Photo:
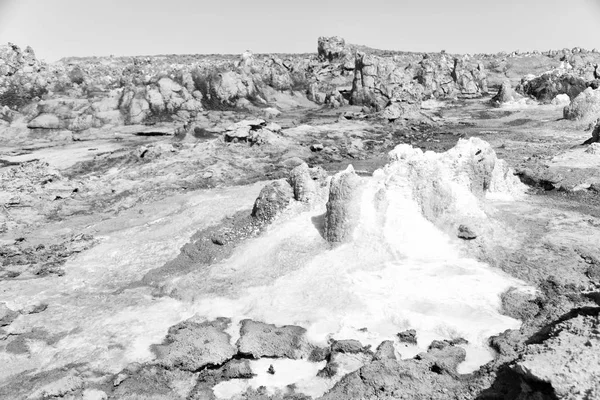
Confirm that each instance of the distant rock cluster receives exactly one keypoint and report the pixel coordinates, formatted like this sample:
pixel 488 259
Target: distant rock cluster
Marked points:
pixel 80 95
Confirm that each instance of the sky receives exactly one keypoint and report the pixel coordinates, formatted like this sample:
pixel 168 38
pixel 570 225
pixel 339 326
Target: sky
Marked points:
pixel 60 28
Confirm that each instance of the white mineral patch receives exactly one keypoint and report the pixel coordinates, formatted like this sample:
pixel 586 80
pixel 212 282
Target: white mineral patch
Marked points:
pixel 287 372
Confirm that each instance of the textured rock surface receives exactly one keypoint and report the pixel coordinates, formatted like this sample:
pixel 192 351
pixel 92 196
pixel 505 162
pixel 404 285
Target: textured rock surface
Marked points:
pixel 273 198
pixel 193 345
pixel 153 383
pixel 548 85
pixel 332 48
pixel 343 206
pixel 302 183
pixel 258 339
pixel 569 359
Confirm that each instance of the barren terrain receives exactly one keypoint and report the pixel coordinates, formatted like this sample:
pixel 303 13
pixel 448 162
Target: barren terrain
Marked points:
pixel 348 224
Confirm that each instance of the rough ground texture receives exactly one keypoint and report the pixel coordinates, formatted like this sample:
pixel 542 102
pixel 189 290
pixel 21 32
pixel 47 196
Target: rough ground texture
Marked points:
pixel 567 358
pixel 190 346
pixel 258 339
pixel 120 178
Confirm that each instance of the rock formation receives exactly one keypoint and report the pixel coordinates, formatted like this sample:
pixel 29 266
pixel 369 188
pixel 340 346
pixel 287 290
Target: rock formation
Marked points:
pixel 505 94
pixel 258 340
pixel 273 198
pixel 442 77
pixel 343 206
pixel 384 86
pixel 568 359
pixel 547 86
pixel 332 49
pixel 192 345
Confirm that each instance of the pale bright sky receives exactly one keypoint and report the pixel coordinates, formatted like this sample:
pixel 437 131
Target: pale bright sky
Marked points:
pixel 59 28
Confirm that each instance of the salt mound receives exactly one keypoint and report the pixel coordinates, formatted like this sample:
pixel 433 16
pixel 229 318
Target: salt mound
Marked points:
pixel 450 188
pixel 393 269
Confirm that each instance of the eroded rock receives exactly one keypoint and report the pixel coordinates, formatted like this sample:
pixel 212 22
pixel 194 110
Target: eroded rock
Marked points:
pixel 192 345
pixel 343 206
pixel 569 359
pixel 258 339
pixel 273 198
pixel 505 94
pixel 302 183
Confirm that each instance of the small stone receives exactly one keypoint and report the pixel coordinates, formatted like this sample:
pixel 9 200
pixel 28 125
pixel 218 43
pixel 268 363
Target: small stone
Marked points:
pixel 219 241
pixel 302 183
pixel 316 147
pixel 271 370
pixel 238 369
pixel 464 232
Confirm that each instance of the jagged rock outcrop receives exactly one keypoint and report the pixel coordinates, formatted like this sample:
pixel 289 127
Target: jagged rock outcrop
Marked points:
pixel 383 85
pixel 547 86
pixel 442 77
pixel 585 108
pixel 470 78
pixel 568 358
pixel 343 206
pixel 332 48
pixel 435 77
pixel 14 60
pixel 302 183
pixel 162 100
